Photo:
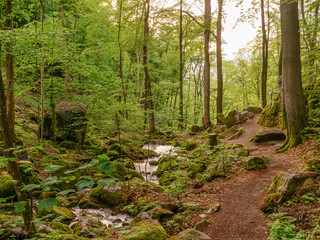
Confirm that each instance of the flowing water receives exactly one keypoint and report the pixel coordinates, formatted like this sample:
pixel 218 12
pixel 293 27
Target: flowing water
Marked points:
pixel 150 165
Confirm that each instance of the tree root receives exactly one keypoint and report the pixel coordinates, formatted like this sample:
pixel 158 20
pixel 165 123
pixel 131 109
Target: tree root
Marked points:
pixel 290 142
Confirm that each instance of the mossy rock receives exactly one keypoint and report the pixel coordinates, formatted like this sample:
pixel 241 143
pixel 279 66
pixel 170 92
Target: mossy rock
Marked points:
pixel 237 134
pixel 6 186
pixel 196 167
pixel 143 205
pixel 212 173
pixel 63 212
pixel 242 152
pixel 89 228
pixel 284 186
pixel 253 109
pixel 314 164
pixel 113 155
pixel 220 118
pixel 271 114
pixel 85 202
pixel 195 128
pixel 60 227
pixel 147 229
pixel 255 163
pixel 65 237
pixel 268 135
pixel 166 163
pixel 190 234
pixel 111 195
pixel 160 213
pixel 177 177
pixel 233 118
pixel 120 150
pixel 128 173
pixel 309 186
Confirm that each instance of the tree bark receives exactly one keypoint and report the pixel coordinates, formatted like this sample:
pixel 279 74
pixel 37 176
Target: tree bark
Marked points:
pixel 291 75
pixel 148 93
pixel 264 72
pixel 206 82
pixel 181 125
pixel 219 58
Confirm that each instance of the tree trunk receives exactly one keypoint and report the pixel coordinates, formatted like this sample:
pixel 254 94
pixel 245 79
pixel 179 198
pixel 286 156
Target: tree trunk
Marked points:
pixel 181 126
pixel 264 58
pixel 219 58
pixel 148 93
pixel 291 75
pixel 206 81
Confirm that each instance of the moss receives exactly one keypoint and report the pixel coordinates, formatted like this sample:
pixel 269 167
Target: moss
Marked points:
pixel 62 228
pixel 190 234
pixel 255 163
pixel 196 167
pixel 160 213
pixel 314 164
pixel 308 186
pixel 110 195
pixel 6 186
pixel 85 202
pixel 237 134
pixel 64 212
pixel 213 173
pixel 254 109
pixel 195 128
pixel 147 229
pixel 220 118
pixel 166 163
pixel 271 115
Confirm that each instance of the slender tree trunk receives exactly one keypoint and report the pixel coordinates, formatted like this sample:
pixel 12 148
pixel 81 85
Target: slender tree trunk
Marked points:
pixel 65 56
pixel 42 65
pixel 219 58
pixel 264 71
pixel 291 74
pixel 148 93
pixel 206 82
pixel 7 123
pixel 181 125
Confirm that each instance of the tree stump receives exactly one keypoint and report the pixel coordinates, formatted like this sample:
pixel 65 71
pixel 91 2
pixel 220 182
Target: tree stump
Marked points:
pixel 213 139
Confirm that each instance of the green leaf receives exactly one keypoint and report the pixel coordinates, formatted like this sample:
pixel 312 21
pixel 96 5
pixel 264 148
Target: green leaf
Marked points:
pixel 52 168
pixel 107 181
pixel 86 178
pixel 106 167
pixel 48 204
pixel 49 181
pixel 103 157
pixel 3 200
pixel 20 207
pixel 30 187
pixel 66 192
pixel 84 184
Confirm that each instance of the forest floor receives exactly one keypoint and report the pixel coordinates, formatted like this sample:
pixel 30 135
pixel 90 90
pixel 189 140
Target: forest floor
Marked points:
pixel 241 198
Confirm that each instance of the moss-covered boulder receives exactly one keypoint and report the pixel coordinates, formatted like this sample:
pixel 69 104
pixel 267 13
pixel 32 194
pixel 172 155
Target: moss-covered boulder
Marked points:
pixel 237 134
pixel 285 185
pixel 314 164
pixel 86 202
pixel 233 118
pixel 212 173
pixel 111 195
pixel 220 118
pixel 6 186
pixel 60 227
pixel 271 114
pixel 160 213
pixel 195 128
pixel 178 177
pixel 253 109
pixel 309 186
pixel 200 226
pixel 166 163
pixel 69 124
pixel 255 163
pixel 190 234
pixel 247 115
pixel 195 167
pixel 63 212
pixel 89 227
pixel 267 135
pixel 147 229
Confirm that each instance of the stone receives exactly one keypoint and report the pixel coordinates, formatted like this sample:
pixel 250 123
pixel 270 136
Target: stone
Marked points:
pixel 200 226
pixel 85 202
pixel 309 186
pixel 271 114
pixel 111 195
pixel 237 134
pixel 247 115
pixel 147 229
pixel 233 118
pixel 212 173
pixel 195 128
pixel 70 124
pixel 64 212
pixel 160 213
pixel 6 186
pixel 213 139
pixel 196 167
pixel 284 186
pixel 190 234
pixel 268 135
pixel 166 163
pixel 214 208
pixel 255 163
pixel 220 119
pixel 253 109
pixel 154 163
pixel 85 227
pixel 62 228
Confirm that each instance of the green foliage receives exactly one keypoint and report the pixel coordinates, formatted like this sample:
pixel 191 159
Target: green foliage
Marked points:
pixel 20 207
pixel 48 204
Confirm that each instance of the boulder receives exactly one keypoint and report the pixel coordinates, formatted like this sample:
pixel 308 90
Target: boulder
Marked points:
pixel 237 134
pixel 247 115
pixel 200 226
pixel 255 163
pixel 166 163
pixel 86 227
pixel 220 119
pixel 63 212
pixel 233 118
pixel 6 186
pixel 253 109
pixel 214 208
pixel 271 114
pixel 190 234
pixel 160 213
pixel 70 122
pixel 111 195
pixel 195 128
pixel 285 185
pixel 268 135
pixel 147 229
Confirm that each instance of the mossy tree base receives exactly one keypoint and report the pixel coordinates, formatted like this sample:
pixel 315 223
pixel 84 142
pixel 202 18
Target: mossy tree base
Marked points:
pixel 291 141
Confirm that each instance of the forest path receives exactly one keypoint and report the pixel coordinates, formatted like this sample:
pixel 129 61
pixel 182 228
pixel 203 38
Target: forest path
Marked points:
pixel 240 216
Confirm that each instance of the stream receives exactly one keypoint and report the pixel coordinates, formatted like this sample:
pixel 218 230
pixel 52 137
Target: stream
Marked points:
pixel 148 166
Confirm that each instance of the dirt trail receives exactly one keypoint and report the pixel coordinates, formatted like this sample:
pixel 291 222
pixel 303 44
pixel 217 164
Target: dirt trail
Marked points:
pixel 240 216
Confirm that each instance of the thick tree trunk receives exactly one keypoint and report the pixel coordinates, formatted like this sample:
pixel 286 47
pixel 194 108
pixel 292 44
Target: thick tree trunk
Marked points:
pixel 181 125
pixel 148 93
pixel 291 75
pixel 206 82
pixel 219 58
